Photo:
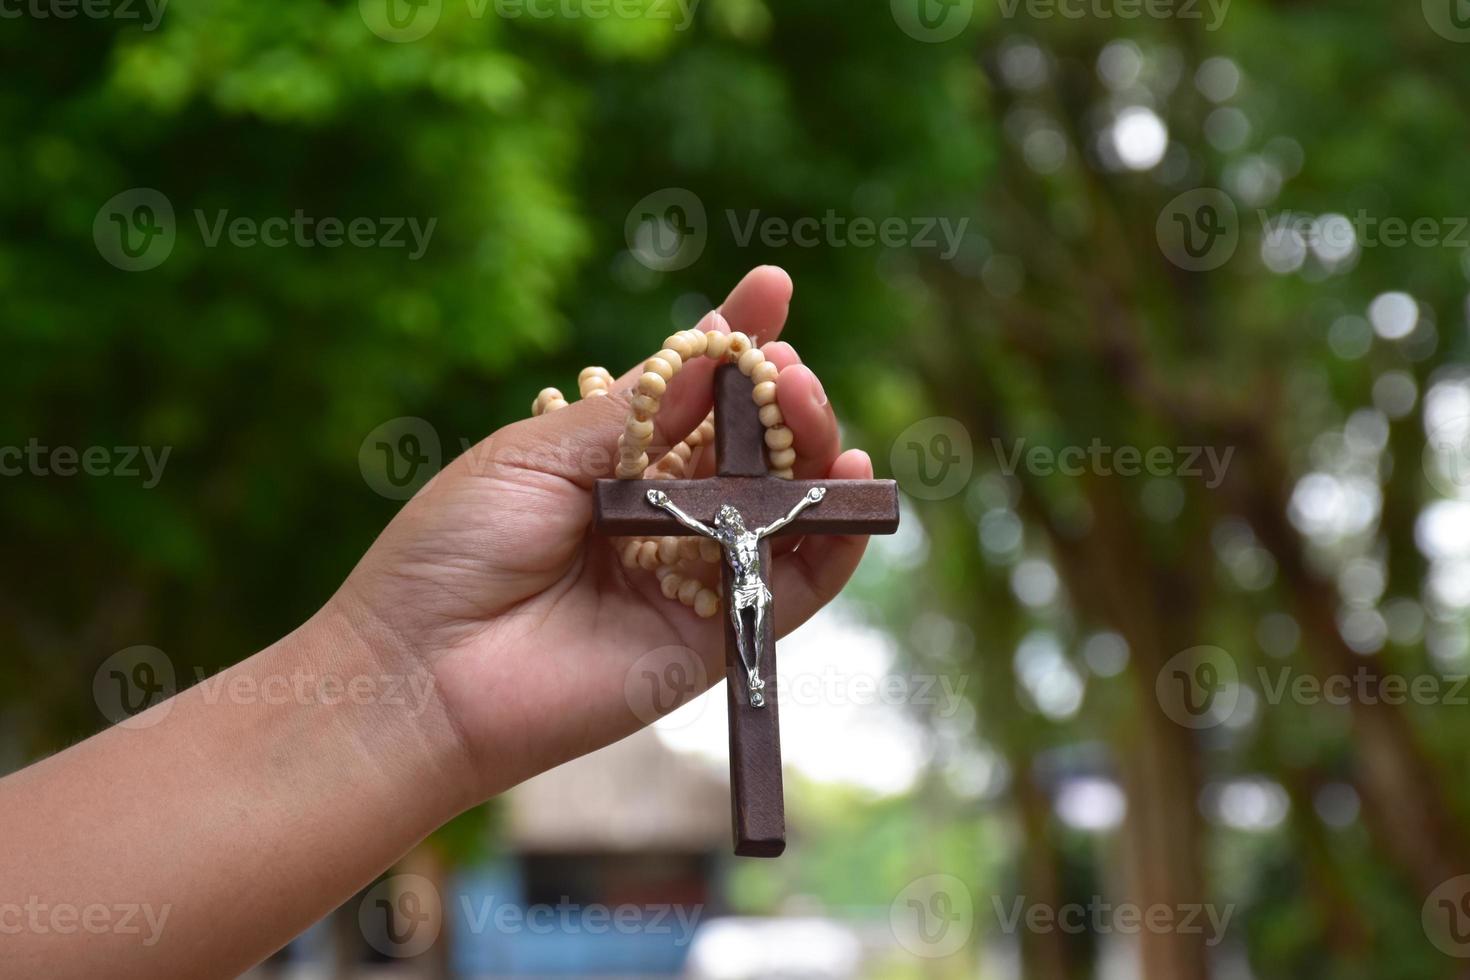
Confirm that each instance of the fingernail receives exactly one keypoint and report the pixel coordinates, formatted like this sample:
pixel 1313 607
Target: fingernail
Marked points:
pixel 821 392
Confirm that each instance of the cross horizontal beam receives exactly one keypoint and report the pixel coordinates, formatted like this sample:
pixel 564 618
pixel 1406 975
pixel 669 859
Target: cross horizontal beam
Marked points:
pixel 621 507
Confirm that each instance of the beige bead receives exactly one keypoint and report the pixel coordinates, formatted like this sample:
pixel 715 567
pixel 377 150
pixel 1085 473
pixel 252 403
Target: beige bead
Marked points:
pixel 706 431
pixel 771 415
pixel 688 591
pixel 679 344
pixel 591 372
pixel 697 342
pixel 547 394
pixel 709 550
pixel 783 474
pixel 593 386
pixel 782 459
pixel 632 470
pixel 764 371
pixel 739 344
pixel 668 550
pixel 639 429
pixel 779 437
pixel 672 356
pixel 631 548
pixel 660 367
pixel 694 440
pixel 671 584
pixel 715 344
pixel 648 555
pixel 689 548
pixel 554 405
pixel 652 385
pixel 706 603
pixel 672 465
pixel 644 407
pixel 750 360
pixel 764 393
pixel 683 451
pixel 595 393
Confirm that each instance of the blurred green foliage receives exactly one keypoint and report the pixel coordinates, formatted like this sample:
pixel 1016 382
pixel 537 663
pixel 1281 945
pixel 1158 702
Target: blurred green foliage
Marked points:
pixel 1060 320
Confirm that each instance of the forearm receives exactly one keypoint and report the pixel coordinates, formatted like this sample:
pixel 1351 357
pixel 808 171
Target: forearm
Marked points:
pixel 252 804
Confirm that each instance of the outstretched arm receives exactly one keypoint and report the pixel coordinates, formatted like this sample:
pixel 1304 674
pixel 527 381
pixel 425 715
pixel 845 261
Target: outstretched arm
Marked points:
pixel 660 499
pixel 813 496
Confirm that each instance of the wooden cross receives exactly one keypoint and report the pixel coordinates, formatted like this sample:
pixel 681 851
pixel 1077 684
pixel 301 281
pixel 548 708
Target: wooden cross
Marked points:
pixel 757 809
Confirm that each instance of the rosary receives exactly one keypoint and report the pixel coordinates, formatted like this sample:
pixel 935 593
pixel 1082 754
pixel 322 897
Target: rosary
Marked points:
pixel 753 497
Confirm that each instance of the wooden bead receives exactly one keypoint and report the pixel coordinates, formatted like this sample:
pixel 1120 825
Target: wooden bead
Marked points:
pixel 672 465
pixel 593 386
pixel 689 548
pixel 783 474
pixel 553 405
pixel 782 459
pixel 689 590
pixel 779 437
pixel 632 470
pixel 698 342
pixel 648 555
pixel 679 344
pixel 750 360
pixel 672 356
pixel 764 371
pixel 706 431
pixel 683 451
pixel 660 367
pixel 631 548
pixel 709 550
pixel 764 393
pixel 547 394
pixel 671 585
pixel 771 415
pixel 716 343
pixel 652 385
pixel 639 429
pixel 739 344
pixel 694 440
pixel 706 603
pixel 591 372
pixel 668 550
pixel 644 407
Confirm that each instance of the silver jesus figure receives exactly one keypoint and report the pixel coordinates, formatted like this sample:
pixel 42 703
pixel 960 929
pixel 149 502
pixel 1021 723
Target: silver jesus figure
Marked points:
pixel 742 553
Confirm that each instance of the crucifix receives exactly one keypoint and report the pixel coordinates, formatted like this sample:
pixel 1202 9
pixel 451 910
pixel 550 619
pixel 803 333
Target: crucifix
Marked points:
pixel 742 508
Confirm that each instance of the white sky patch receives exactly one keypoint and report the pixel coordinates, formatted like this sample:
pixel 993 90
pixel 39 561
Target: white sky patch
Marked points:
pixel 841 721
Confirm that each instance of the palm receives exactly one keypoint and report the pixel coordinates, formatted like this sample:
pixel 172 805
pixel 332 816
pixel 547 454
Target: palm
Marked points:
pixel 528 621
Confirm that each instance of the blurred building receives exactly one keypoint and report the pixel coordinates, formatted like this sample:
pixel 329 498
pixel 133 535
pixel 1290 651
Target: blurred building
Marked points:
pixel 612 865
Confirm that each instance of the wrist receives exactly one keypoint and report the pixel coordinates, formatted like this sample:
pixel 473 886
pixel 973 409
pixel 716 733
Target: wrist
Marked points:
pixel 390 708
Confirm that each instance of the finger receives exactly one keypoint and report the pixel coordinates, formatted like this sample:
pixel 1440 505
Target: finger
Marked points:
pixel 809 416
pixel 810 577
pixel 758 306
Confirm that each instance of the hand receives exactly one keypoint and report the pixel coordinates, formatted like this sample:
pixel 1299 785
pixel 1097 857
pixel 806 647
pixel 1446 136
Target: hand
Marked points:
pixel 493 578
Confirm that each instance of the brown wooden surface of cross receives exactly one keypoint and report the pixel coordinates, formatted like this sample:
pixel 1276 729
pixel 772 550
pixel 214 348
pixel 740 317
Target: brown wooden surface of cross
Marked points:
pixel 758 812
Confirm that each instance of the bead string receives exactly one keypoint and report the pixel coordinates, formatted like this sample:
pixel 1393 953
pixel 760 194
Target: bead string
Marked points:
pixel 672 558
